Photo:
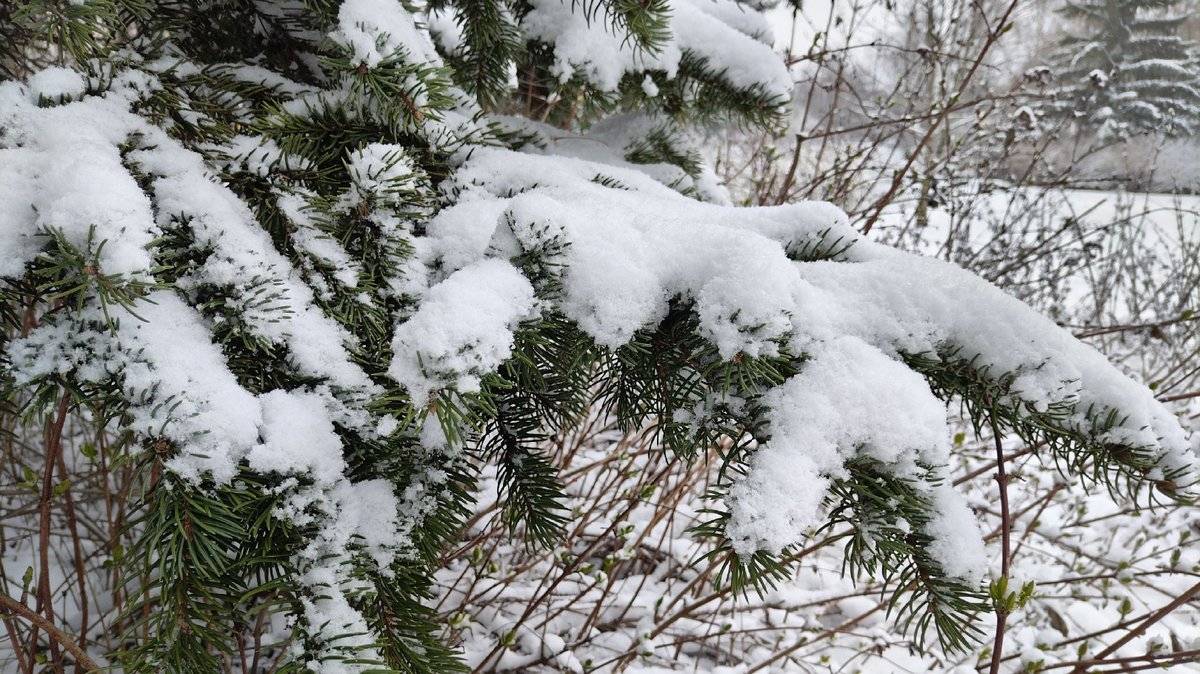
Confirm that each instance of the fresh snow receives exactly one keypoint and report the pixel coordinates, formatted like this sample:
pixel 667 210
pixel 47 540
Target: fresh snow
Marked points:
pixel 731 41
pixel 856 401
pixel 375 30
pixel 186 389
pixel 462 331
pixel 635 246
pixel 297 437
pixel 592 49
pixel 61 171
pixel 56 83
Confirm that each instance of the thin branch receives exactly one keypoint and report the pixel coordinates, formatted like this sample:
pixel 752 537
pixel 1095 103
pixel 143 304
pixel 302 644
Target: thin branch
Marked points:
pixel 1005 548
pixel 1180 396
pixel 14 607
pixel 1149 661
pixel 53 448
pixel 1140 629
pixel 898 178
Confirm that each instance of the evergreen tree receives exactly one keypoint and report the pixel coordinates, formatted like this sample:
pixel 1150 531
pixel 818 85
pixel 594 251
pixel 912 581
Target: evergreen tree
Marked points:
pixel 306 265
pixel 1126 71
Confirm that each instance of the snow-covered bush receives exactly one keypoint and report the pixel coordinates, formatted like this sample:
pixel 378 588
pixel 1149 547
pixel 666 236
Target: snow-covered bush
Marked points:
pixel 280 277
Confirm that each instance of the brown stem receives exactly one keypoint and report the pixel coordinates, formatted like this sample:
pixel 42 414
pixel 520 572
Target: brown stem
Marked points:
pixel 1033 521
pixel 1110 329
pixel 53 448
pixel 791 172
pixel 1180 396
pixel 1005 549
pixel 77 549
pixel 1150 660
pixel 18 652
pixel 578 559
pixel 1137 631
pixel 14 607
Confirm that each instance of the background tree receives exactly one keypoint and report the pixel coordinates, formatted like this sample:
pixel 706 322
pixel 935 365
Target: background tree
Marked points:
pixel 1125 70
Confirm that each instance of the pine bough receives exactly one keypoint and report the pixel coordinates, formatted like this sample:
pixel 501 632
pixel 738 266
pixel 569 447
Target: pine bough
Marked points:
pixel 310 263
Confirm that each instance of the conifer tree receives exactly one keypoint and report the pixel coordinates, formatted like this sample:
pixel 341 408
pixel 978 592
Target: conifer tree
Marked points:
pixel 303 266
pixel 1124 69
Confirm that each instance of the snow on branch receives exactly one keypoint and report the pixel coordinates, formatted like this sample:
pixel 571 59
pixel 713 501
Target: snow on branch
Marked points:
pixel 856 323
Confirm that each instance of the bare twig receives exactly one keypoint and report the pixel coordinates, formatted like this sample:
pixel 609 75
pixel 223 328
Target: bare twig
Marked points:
pixel 899 175
pixel 1005 549
pixel 14 607
pixel 53 448
pixel 1143 626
